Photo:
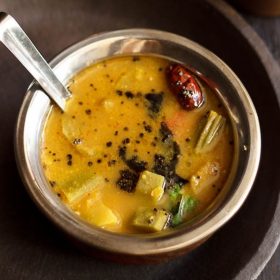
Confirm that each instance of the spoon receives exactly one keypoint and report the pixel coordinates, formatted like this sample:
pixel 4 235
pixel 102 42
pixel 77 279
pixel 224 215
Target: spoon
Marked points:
pixel 15 39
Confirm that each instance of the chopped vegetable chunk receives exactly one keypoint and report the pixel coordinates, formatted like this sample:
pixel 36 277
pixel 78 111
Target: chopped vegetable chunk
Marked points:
pixel 151 184
pixel 211 133
pixel 100 215
pixel 205 177
pixel 80 185
pixel 151 219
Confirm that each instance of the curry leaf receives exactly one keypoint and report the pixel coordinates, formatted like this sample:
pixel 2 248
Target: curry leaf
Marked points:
pixel 187 205
pixel 175 193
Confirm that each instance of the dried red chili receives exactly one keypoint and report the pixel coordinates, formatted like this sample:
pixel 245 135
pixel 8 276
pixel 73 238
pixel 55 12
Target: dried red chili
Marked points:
pixel 184 86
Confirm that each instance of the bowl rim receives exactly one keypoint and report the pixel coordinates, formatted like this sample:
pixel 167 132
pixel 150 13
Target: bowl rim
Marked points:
pixel 165 243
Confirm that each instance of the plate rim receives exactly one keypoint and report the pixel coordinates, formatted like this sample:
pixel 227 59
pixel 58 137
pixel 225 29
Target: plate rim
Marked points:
pixel 272 237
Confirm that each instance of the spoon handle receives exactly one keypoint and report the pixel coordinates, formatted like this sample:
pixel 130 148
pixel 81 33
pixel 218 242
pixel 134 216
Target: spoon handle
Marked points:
pixel 15 39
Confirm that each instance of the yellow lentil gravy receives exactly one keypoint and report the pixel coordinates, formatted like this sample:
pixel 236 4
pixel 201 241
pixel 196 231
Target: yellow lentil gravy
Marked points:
pixel 127 156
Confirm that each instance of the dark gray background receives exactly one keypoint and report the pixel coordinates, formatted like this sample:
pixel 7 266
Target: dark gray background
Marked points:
pixel 269 30
pixel 31 247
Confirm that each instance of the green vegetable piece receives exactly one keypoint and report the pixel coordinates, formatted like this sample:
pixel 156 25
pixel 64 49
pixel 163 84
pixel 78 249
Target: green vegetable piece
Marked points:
pixel 187 205
pixel 177 219
pixel 175 193
pixel 78 186
pixel 211 133
pixel 151 184
pixel 190 204
pixel 151 220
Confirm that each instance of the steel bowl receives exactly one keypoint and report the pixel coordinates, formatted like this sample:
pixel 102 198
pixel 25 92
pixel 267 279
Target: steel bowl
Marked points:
pixel 146 247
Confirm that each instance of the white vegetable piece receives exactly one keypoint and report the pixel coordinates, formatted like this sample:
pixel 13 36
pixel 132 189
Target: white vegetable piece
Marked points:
pixel 206 176
pixel 101 215
pixel 151 184
pixel 79 186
